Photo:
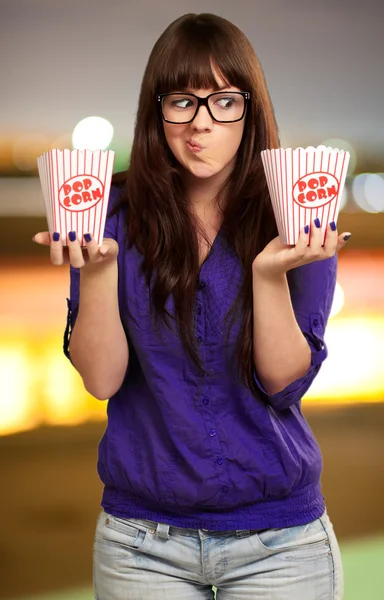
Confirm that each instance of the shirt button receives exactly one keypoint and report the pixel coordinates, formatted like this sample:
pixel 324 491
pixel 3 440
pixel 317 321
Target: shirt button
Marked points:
pixel 205 400
pixel 198 310
pixel 315 323
pixel 225 489
pixel 220 460
pixel 212 433
pixel 199 339
pixel 201 285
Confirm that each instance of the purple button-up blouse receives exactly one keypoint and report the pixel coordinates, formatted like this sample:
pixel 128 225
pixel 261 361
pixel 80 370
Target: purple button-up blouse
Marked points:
pixel 202 451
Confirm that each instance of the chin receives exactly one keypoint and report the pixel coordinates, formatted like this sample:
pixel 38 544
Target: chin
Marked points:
pixel 203 171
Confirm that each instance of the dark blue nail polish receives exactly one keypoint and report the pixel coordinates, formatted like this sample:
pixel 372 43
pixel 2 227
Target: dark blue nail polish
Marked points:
pixel 72 236
pixel 317 223
pixel 346 237
pixel 306 229
pixel 333 226
pixel 56 236
pixel 87 237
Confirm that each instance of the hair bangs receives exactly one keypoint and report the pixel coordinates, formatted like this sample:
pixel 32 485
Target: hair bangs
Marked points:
pixel 198 59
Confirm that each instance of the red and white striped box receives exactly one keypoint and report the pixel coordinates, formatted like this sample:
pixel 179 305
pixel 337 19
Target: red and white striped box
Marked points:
pixel 305 184
pixel 76 185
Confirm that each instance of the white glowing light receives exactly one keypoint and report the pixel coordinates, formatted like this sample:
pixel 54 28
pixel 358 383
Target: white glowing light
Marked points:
pixel 92 133
pixel 374 192
pixel 359 192
pixel 338 301
pixel 343 145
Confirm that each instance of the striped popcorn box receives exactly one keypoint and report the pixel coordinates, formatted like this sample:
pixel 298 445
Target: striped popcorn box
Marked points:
pixel 304 184
pixel 76 187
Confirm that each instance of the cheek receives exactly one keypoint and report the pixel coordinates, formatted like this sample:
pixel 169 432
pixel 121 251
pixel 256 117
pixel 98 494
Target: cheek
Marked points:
pixel 173 134
pixel 230 142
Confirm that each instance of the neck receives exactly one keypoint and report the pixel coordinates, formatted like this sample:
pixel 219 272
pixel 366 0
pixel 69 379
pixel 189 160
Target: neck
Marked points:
pixel 203 194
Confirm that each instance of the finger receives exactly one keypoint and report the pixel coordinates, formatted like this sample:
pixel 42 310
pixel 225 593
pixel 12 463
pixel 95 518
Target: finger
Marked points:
pixel 43 237
pixel 331 237
pixel 75 253
pixel 109 247
pixel 302 242
pixel 316 238
pixel 343 240
pixel 56 249
pixel 92 247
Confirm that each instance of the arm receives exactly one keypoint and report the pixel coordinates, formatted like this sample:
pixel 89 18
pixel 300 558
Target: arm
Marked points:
pixel 98 344
pixel 293 291
pixel 281 353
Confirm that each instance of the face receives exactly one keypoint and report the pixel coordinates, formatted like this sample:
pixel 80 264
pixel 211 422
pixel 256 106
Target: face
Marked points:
pixel 219 141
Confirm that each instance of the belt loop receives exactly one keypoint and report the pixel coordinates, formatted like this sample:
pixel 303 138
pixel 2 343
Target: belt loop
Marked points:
pixel 162 531
pixel 242 533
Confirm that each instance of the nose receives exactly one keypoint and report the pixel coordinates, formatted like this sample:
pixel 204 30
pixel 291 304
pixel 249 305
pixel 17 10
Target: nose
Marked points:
pixel 203 119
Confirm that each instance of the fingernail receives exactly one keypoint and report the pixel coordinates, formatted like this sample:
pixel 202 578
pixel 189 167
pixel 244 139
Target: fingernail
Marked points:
pixel 317 223
pixel 72 236
pixel 56 236
pixel 333 226
pixel 87 237
pixel 346 237
pixel 306 229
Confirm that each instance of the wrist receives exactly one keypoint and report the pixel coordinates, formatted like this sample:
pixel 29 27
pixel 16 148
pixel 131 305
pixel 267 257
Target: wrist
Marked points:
pixel 91 270
pixel 266 273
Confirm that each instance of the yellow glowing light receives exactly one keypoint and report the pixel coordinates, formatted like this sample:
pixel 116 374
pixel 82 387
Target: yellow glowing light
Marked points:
pixel 26 149
pixel 92 133
pixel 62 142
pixel 353 370
pixel 16 406
pixel 65 406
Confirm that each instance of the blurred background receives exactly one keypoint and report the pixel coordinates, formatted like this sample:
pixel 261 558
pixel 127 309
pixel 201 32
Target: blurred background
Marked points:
pixel 66 62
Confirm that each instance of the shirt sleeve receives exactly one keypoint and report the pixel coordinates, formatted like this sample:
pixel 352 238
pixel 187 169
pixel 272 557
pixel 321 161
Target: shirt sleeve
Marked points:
pixel 110 231
pixel 311 288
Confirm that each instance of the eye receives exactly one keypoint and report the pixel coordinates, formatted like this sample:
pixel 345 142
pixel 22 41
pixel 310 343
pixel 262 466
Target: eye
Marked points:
pixel 226 102
pixel 182 103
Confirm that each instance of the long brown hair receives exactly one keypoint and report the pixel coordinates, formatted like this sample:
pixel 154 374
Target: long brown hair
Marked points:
pixel 159 220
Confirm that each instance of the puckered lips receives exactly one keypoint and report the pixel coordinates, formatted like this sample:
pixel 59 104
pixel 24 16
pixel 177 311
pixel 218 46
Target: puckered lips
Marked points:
pixel 194 146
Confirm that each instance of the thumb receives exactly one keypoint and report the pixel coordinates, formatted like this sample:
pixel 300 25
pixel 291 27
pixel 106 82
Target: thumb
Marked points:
pixel 104 250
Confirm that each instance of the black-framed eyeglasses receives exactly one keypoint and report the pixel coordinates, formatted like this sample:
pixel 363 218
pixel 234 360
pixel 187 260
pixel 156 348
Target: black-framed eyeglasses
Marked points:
pixel 223 107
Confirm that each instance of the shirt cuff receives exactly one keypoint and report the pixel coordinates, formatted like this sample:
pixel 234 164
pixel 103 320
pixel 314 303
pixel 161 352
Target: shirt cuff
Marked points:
pixel 293 392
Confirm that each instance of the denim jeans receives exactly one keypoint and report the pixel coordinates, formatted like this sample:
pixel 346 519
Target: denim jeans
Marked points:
pixel 143 560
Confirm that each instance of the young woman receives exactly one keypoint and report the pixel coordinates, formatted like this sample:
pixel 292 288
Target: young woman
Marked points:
pixel 204 331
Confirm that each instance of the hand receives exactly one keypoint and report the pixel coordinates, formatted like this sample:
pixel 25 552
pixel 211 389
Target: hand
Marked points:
pixel 76 255
pixel 278 258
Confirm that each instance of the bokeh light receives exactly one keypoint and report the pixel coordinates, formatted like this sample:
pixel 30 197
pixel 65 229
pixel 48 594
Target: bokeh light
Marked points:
pixel 26 149
pixel 374 192
pixel 359 192
pixel 62 142
pixel 338 301
pixel 92 133
pixel 343 145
